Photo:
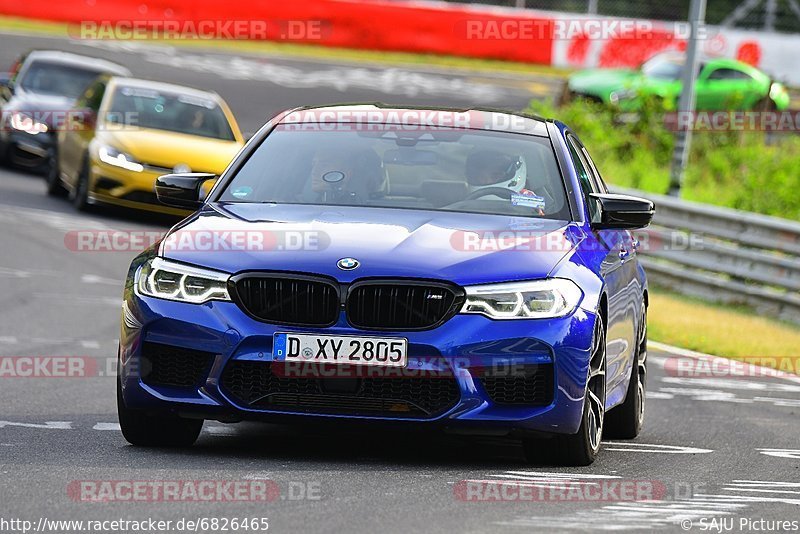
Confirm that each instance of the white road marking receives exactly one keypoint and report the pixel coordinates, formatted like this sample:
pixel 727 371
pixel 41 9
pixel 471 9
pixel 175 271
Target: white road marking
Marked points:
pixel 106 426
pixel 8 339
pixel 659 395
pixel 732 383
pixel 637 515
pixel 261 475
pixel 389 80
pixel 718 360
pixel 755 499
pixel 781 453
pixel 630 446
pixel 713 395
pixel 48 425
pixel 790 403
pixel 94 279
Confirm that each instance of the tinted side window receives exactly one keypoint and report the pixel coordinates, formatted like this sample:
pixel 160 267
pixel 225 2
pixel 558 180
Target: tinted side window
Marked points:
pixel 600 185
pixel 728 74
pixel 584 177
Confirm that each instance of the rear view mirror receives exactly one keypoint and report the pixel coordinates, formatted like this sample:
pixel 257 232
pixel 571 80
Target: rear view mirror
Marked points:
pixel 182 190
pixel 623 211
pixel 410 156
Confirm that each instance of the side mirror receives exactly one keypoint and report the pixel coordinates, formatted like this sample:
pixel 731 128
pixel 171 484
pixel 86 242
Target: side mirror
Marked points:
pixel 621 212
pixel 182 190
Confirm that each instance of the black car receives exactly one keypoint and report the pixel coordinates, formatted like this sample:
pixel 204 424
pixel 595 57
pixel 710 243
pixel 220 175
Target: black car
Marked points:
pixel 36 96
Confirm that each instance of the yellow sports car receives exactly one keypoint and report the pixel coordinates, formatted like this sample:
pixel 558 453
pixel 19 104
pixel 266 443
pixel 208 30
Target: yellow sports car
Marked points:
pixel 123 133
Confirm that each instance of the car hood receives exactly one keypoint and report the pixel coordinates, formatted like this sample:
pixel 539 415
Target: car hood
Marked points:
pixel 49 109
pixel 603 81
pixel 168 149
pixel 464 248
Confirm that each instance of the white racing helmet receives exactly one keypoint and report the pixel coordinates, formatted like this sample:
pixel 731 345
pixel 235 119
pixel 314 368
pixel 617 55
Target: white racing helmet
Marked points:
pixel 491 168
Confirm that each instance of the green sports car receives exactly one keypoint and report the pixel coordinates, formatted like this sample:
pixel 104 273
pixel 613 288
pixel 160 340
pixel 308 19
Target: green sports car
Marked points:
pixel 722 84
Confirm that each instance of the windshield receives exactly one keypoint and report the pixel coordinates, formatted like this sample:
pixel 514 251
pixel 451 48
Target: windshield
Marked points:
pixel 159 110
pixel 436 169
pixel 57 79
pixel 663 68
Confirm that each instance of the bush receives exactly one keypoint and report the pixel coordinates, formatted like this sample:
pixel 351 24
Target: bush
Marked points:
pixel 735 169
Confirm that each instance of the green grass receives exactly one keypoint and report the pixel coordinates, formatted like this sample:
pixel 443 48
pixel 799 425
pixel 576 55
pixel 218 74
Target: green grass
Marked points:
pixel 739 170
pixel 732 332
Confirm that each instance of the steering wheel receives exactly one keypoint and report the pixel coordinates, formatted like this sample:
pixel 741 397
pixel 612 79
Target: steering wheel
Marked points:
pixel 501 192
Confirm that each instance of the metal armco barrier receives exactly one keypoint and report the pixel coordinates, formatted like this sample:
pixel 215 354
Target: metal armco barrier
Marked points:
pixel 723 255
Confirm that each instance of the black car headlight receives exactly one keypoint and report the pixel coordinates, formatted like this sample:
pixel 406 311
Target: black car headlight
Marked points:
pixel 179 282
pixel 537 299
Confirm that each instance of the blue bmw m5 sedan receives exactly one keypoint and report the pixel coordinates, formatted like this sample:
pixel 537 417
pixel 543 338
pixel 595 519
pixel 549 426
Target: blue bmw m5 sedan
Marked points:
pixel 436 268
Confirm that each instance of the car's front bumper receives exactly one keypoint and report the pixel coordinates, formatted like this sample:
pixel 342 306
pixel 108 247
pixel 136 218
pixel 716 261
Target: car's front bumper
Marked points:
pixel 129 189
pixel 466 344
pixel 30 151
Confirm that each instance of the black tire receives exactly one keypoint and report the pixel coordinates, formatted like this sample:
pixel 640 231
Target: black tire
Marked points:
pixel 765 104
pixel 145 430
pixel 80 194
pixel 581 448
pixel 625 421
pixel 54 186
pixel 4 159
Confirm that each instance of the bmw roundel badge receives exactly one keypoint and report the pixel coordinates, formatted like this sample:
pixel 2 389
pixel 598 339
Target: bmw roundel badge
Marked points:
pixel 348 264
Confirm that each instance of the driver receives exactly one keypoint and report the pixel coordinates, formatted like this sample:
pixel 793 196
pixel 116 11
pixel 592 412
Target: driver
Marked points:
pixel 493 169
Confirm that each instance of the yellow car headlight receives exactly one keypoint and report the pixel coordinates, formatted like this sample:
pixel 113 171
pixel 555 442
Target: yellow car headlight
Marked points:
pixel 112 156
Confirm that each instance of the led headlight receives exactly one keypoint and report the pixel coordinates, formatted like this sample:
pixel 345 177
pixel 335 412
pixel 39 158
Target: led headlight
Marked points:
pixel 112 156
pixel 184 283
pixel 538 299
pixel 23 123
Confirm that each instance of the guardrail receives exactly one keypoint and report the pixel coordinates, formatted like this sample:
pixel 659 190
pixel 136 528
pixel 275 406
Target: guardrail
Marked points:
pixel 723 255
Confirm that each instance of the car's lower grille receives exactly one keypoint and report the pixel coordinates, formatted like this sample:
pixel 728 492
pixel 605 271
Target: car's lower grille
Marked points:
pixel 165 365
pixel 294 301
pixel 529 385
pixel 144 197
pixel 401 305
pixel 256 385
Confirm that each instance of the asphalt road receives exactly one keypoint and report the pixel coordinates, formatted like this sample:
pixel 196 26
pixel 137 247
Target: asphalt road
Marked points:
pixel 258 86
pixel 713 449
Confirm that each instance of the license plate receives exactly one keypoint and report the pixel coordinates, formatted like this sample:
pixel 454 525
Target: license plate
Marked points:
pixel 352 350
